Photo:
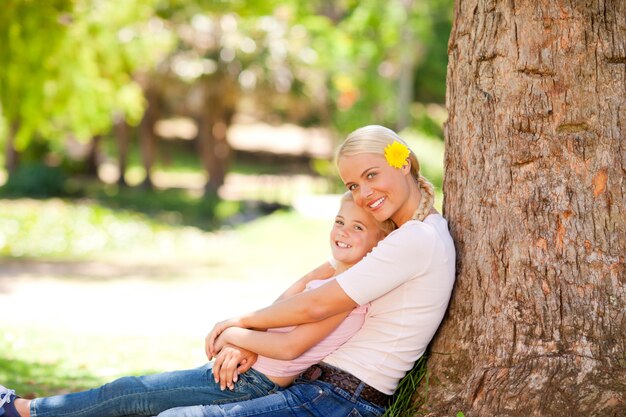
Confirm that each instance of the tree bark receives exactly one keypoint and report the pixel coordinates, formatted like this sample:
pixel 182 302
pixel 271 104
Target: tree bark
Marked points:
pixel 147 137
pixel 122 134
pixel 11 156
pixel 220 100
pixel 535 196
pixel 92 162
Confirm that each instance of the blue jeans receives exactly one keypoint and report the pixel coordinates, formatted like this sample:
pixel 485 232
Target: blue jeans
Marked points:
pixel 150 395
pixel 303 398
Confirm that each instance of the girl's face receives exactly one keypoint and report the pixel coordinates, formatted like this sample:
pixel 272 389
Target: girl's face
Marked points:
pixel 378 187
pixel 354 234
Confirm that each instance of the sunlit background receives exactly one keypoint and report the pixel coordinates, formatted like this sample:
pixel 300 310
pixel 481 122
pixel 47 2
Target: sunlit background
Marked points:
pixel 167 164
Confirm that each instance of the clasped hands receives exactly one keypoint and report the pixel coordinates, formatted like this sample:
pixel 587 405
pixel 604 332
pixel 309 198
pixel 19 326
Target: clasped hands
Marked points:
pixel 230 360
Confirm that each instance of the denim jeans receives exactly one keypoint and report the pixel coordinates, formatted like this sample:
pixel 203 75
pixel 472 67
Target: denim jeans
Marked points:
pixel 303 398
pixel 152 394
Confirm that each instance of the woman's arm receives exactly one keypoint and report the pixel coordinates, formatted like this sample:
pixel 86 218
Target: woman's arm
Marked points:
pixel 323 271
pixel 283 346
pixel 307 307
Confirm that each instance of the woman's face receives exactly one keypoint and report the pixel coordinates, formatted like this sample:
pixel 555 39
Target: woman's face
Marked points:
pixel 376 186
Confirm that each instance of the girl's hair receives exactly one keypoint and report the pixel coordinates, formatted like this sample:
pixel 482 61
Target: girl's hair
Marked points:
pixel 374 139
pixel 386 227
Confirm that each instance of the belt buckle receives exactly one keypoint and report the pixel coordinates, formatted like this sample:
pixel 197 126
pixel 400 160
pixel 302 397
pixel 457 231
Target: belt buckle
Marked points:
pixel 314 373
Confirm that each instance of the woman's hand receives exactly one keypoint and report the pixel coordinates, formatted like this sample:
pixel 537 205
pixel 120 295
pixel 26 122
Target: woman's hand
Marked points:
pixel 229 363
pixel 209 341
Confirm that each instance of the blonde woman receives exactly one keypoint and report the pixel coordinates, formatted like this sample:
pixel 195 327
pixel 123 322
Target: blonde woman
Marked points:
pixel 407 279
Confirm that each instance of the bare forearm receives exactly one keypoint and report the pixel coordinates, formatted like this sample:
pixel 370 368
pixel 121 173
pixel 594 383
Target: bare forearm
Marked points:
pixel 306 307
pixel 271 345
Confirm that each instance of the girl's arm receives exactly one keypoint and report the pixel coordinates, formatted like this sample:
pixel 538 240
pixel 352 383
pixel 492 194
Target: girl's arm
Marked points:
pixel 283 346
pixel 306 307
pixel 323 271
pixel 403 255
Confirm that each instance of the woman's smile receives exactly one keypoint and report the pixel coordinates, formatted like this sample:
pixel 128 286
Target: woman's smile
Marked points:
pixel 376 203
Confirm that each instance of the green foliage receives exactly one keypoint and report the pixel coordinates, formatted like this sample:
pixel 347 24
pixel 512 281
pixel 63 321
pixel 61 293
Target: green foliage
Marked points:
pixel 367 49
pixel 430 152
pixel 31 35
pixel 35 180
pixel 404 402
pixel 68 65
pixel 173 206
pixel 61 229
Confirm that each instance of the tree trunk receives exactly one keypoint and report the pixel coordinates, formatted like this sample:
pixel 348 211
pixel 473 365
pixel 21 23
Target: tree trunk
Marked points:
pixel 147 137
pixel 406 78
pixel 122 134
pixel 535 196
pixel 220 100
pixel 11 156
pixel 92 162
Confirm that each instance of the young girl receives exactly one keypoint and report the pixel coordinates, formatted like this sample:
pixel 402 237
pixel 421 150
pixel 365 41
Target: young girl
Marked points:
pixel 286 352
pixel 407 279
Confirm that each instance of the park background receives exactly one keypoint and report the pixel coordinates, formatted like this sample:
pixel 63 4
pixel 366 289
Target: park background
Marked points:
pixel 167 164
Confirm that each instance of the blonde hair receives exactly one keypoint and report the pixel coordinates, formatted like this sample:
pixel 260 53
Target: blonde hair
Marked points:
pixel 385 227
pixel 374 139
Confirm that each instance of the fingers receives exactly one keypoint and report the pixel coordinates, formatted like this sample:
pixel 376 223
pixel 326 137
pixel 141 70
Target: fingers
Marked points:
pixel 228 372
pixel 207 348
pixel 217 365
pixel 246 364
pixel 210 343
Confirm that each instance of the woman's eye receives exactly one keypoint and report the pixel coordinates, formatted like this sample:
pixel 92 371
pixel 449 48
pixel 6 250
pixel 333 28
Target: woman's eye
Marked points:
pixel 371 175
pixel 358 228
pixel 351 187
pixel 339 222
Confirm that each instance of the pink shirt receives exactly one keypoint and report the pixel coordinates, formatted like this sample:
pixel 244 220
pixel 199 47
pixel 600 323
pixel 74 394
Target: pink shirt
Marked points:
pixel 349 326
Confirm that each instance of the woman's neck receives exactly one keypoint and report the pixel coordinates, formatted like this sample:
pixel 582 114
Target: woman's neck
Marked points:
pixel 342 267
pixel 406 212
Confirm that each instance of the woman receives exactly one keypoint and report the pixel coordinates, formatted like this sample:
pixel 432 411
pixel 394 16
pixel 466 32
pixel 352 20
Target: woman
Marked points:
pixel 407 278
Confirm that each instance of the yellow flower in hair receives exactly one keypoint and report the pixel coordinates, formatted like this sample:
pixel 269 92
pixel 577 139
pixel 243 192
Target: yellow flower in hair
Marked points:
pixel 396 154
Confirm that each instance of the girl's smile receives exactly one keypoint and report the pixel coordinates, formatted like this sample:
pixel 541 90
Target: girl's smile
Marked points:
pixel 354 234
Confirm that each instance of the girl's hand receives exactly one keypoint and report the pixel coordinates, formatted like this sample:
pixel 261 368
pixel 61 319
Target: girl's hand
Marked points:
pixel 229 363
pixel 209 341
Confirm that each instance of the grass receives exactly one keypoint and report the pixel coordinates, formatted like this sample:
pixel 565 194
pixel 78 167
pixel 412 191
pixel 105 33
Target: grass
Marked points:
pixel 42 356
pixel 405 403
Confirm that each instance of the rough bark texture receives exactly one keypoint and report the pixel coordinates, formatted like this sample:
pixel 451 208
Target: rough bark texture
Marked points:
pixel 535 197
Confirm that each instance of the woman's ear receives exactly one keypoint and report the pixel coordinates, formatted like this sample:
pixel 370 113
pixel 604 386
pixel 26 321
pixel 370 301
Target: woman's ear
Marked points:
pixel 406 167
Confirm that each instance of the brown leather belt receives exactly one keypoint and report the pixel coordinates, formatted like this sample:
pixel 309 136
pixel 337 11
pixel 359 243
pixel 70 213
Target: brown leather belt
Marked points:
pixel 346 382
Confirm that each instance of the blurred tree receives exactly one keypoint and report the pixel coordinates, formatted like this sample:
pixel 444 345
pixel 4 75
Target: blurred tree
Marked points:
pixel 371 52
pixel 339 63
pixel 31 35
pixel 259 51
pixel 68 65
